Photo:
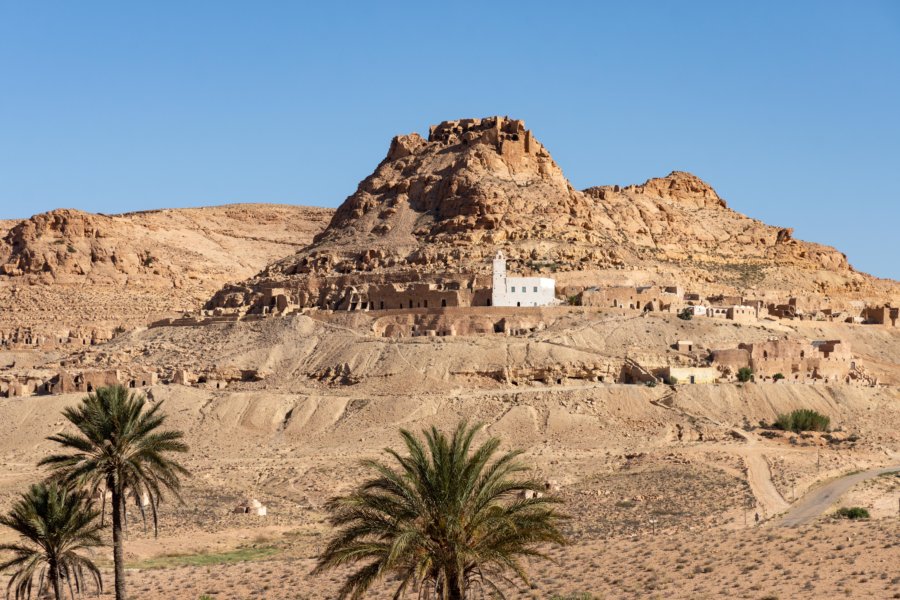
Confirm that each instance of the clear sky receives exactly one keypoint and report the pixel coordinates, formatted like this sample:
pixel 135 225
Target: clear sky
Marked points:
pixel 791 110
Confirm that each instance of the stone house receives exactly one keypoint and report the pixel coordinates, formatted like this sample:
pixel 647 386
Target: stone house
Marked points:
pixel 86 381
pixel 881 315
pixel 690 375
pixel 684 346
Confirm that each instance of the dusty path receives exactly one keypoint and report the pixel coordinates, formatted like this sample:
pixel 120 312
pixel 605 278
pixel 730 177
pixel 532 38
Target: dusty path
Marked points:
pixel 817 501
pixel 760 479
pixel 759 476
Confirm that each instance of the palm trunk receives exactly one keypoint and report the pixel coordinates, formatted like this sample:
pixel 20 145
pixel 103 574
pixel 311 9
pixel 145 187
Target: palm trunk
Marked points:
pixel 54 580
pixel 118 550
pixel 455 590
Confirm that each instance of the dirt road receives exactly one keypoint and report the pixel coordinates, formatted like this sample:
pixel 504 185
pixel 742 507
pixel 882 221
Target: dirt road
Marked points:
pixel 760 479
pixel 817 501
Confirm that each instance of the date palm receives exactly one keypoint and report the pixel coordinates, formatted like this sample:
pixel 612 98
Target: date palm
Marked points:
pixel 119 448
pixel 55 525
pixel 446 519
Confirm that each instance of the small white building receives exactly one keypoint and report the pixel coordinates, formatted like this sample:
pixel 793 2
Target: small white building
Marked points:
pixel 520 291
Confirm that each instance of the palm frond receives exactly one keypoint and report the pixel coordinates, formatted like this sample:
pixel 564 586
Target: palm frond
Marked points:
pixel 445 514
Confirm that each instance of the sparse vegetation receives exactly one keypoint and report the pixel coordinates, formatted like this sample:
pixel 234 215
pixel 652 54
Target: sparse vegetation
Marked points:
pixel 744 374
pixel 778 376
pixel 686 314
pixel 803 419
pixel 853 512
pixel 206 559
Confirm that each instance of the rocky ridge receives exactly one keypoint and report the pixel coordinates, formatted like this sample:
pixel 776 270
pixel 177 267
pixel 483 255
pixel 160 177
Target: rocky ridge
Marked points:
pixel 442 206
pixel 70 269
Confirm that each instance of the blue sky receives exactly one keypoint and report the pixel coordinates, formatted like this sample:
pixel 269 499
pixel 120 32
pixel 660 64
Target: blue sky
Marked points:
pixel 791 110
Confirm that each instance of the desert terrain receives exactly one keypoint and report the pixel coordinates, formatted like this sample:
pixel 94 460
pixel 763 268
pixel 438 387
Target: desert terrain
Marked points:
pixel 268 346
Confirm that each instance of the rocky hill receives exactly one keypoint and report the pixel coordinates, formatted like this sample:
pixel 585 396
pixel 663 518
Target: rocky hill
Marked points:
pixel 68 268
pixel 446 204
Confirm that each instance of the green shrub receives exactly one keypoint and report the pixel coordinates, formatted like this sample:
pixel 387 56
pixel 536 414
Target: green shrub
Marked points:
pixel 686 314
pixel 650 383
pixel 778 376
pixel 803 419
pixel 854 512
pixel 745 374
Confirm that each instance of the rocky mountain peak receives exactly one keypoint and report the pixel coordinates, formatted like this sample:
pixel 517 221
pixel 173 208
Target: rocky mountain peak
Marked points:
pixel 473 181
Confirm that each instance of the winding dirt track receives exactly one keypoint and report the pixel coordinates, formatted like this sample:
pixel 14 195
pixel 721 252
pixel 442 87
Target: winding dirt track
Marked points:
pixel 817 501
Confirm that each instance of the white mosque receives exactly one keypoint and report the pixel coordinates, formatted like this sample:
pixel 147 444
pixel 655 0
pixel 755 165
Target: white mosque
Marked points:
pixel 520 291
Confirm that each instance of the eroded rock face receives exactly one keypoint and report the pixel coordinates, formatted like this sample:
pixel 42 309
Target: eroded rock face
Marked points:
pixel 439 202
pixel 681 218
pixel 443 205
pixel 62 242
pixel 71 270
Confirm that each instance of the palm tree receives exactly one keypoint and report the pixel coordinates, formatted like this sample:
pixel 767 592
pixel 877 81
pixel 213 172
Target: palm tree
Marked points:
pixel 445 520
pixel 55 524
pixel 118 448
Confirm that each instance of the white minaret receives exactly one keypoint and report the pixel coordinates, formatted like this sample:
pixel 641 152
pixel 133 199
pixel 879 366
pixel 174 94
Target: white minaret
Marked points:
pixel 498 291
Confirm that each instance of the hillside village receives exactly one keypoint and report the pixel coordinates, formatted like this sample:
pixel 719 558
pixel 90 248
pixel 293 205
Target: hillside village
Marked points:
pixel 479 307
pixel 639 343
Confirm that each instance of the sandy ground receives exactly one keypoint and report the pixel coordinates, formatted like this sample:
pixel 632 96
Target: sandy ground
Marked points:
pixel 831 559
pixel 663 483
pixel 653 516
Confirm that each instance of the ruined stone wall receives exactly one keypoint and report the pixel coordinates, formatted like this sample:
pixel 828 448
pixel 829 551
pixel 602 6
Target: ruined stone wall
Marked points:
pixel 419 295
pixel 456 322
pixel 636 298
pixel 731 359
pixel 797 360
